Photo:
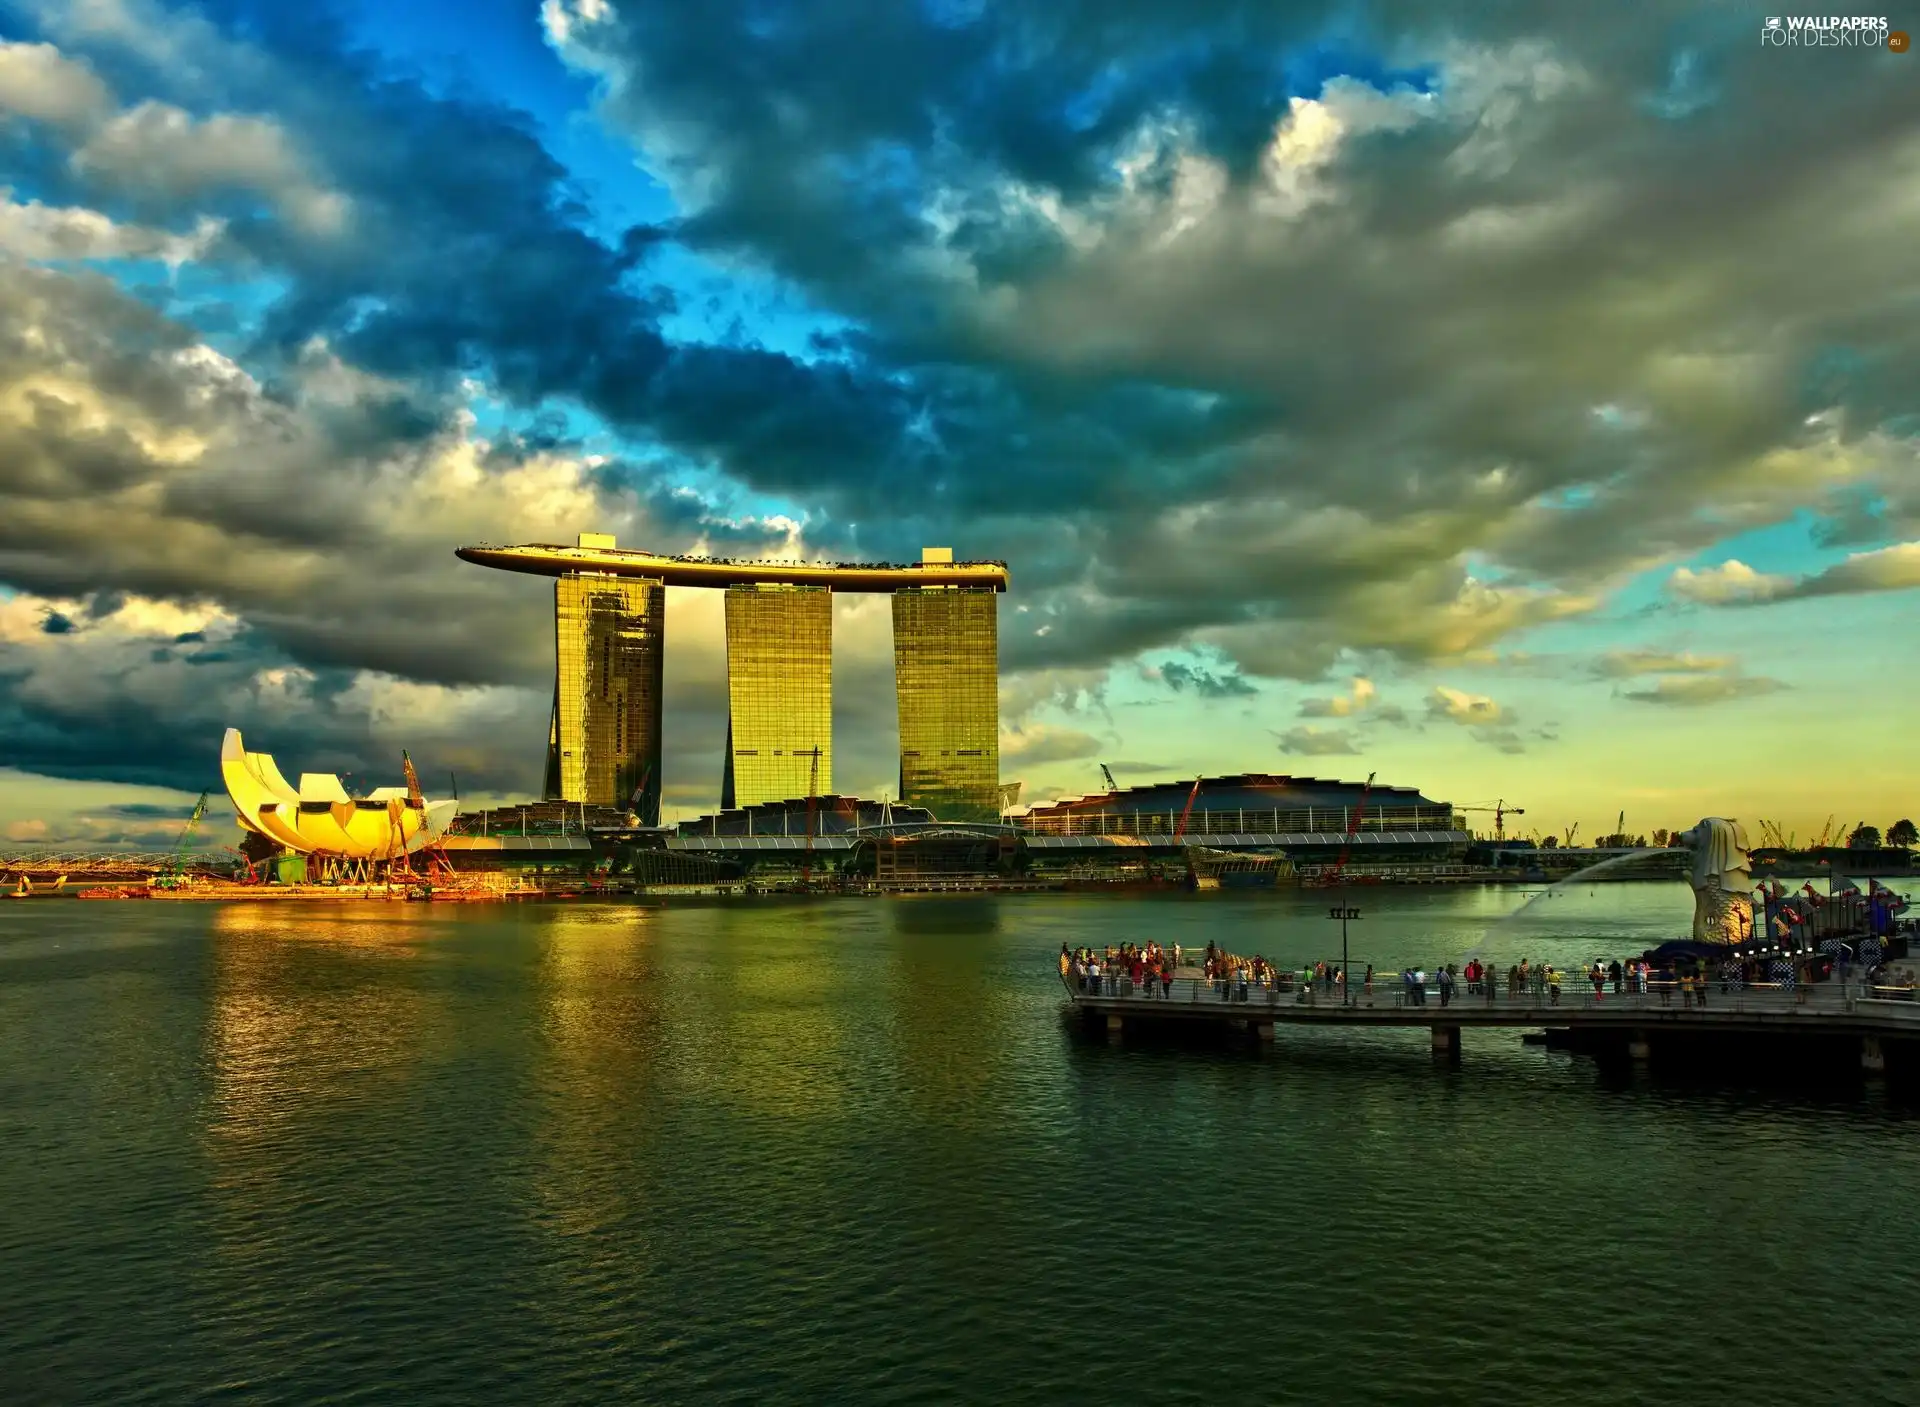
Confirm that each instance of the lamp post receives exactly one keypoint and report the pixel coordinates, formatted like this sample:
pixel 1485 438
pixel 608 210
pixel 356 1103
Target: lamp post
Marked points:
pixel 1344 913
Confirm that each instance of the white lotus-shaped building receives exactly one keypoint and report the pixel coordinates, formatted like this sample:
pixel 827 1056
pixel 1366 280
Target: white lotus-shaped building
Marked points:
pixel 320 818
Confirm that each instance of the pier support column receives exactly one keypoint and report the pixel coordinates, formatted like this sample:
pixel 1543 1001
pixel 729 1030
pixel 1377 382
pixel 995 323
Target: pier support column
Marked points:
pixel 1873 1058
pixel 1446 1043
pixel 1114 1024
pixel 1264 1029
pixel 1637 1048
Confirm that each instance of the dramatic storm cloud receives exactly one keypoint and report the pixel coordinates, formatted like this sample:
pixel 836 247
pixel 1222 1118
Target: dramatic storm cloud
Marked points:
pixel 1323 380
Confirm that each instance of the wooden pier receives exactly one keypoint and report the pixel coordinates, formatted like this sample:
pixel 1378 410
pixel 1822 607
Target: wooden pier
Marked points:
pixel 1872 1017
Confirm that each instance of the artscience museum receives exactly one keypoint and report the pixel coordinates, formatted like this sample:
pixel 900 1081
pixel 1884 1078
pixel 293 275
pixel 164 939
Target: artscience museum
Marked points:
pixel 319 818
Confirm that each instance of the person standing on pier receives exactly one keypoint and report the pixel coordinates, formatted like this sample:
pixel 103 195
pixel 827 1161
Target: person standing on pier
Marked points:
pixel 1553 985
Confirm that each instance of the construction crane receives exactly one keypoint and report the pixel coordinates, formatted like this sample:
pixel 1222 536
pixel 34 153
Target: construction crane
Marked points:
pixel 246 863
pixel 1826 834
pixel 1346 847
pixel 1500 811
pixel 1353 829
pixel 175 874
pixel 1181 829
pixel 1569 834
pixel 1107 772
pixel 813 790
pixel 436 854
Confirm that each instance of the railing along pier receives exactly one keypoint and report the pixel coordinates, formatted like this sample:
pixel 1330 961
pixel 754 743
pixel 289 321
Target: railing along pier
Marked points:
pixel 1873 1015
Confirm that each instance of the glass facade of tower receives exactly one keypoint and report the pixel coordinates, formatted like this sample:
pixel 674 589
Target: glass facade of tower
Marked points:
pixel 779 694
pixel 946 662
pixel 609 642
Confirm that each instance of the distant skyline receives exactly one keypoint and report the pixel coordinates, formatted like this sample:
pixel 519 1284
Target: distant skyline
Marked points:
pixel 1514 403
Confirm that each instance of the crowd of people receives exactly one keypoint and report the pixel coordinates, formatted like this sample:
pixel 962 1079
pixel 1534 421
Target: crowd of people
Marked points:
pixel 1542 983
pixel 1134 970
pixel 1130 969
pixel 1121 971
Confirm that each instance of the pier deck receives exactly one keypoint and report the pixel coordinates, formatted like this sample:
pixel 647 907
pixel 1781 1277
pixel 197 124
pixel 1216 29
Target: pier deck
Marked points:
pixel 1870 1015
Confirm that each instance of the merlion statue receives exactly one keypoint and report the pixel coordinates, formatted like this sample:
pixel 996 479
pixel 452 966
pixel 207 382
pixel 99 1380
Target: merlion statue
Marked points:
pixel 1722 908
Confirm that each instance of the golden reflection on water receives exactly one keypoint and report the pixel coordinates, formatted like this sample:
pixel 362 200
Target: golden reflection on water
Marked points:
pixel 292 1028
pixel 600 990
pixel 950 1033
pixel 312 1034
pixel 758 1022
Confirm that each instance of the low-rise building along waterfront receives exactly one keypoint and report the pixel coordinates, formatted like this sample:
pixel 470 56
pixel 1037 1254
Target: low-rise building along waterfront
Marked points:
pixel 1245 803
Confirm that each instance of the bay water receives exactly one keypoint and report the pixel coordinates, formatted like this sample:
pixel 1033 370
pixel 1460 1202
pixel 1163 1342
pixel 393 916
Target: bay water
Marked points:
pixel 858 1151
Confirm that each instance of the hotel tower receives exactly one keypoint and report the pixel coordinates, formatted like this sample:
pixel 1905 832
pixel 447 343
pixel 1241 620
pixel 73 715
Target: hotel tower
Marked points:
pixel 604 740
pixel 779 694
pixel 603 744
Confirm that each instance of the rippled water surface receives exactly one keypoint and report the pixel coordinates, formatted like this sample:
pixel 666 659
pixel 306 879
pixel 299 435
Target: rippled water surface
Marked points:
pixel 853 1151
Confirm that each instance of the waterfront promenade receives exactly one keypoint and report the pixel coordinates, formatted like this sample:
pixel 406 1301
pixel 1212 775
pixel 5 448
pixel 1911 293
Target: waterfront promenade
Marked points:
pixel 1852 1011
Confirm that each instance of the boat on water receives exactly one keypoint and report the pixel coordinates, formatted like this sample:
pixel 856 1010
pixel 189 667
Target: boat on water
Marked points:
pixel 1209 869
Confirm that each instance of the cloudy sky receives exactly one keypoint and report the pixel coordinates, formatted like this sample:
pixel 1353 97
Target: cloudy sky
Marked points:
pixel 1515 405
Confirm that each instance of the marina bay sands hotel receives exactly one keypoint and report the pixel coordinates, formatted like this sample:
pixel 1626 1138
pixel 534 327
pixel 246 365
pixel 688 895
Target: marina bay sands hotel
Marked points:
pixel 609 614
